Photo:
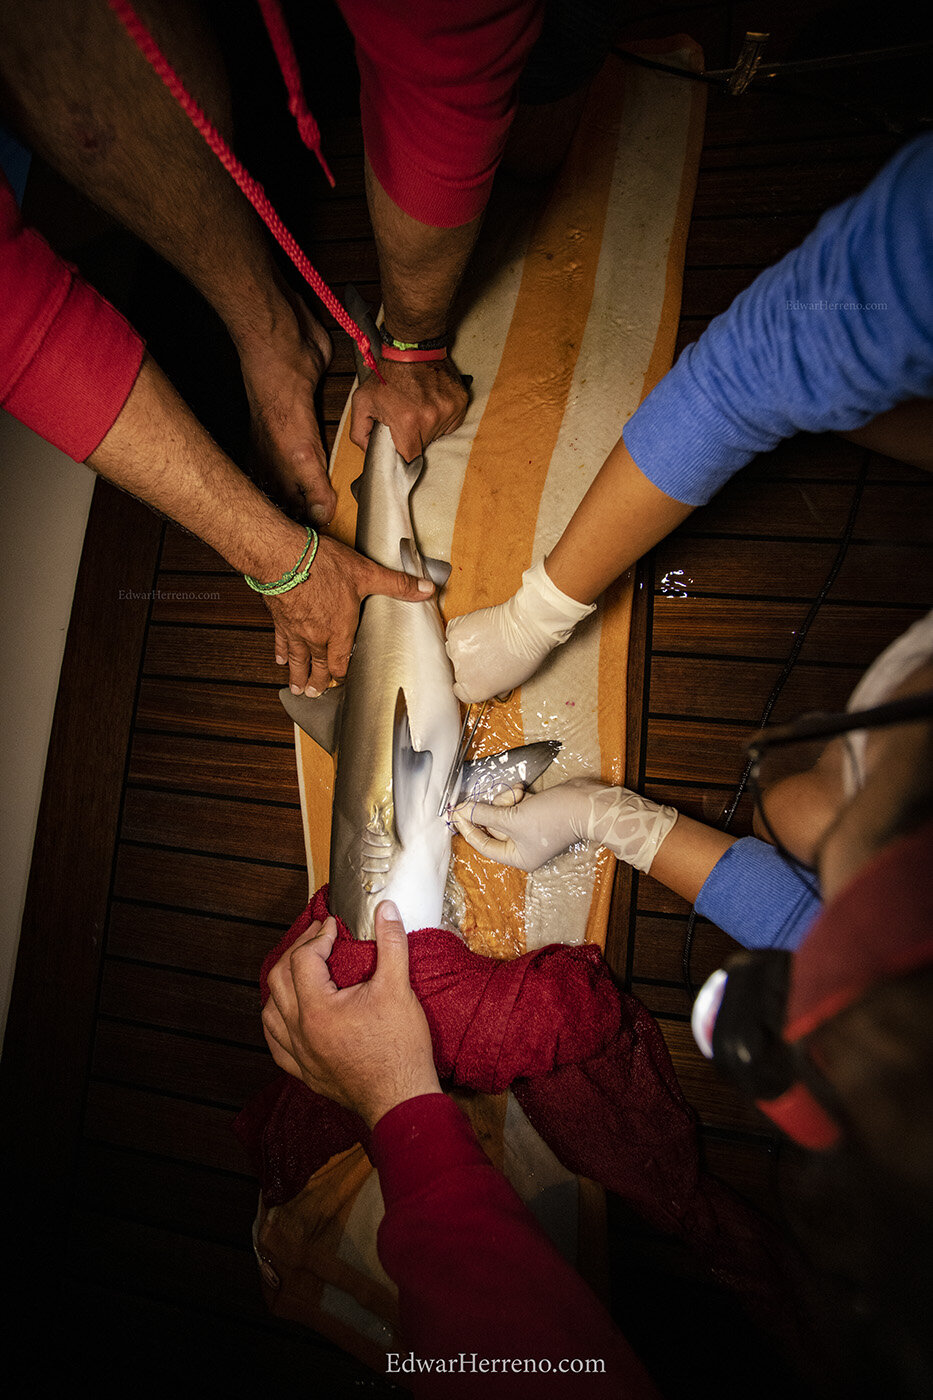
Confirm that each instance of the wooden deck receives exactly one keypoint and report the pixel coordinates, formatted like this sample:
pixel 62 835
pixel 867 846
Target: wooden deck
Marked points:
pixel 169 856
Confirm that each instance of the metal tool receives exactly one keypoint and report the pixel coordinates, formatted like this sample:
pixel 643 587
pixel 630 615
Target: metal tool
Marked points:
pixel 466 738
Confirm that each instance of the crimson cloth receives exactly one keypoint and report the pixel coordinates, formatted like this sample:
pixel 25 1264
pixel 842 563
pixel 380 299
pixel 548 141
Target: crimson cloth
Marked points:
pixel 68 359
pixel 451 1220
pixel 437 97
pixel 589 1067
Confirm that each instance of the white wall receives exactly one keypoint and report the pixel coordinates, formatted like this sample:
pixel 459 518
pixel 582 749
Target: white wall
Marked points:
pixel 45 502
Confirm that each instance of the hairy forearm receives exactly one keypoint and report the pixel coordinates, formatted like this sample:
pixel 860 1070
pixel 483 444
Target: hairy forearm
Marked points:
pixel 621 516
pixel 420 265
pixel 158 451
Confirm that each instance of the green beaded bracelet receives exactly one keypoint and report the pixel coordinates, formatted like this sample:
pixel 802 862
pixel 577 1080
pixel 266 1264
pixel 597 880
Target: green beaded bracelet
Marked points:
pixel 294 576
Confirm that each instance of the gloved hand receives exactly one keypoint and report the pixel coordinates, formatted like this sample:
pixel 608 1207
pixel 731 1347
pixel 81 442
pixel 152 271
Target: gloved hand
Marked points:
pixel 495 649
pixel 538 826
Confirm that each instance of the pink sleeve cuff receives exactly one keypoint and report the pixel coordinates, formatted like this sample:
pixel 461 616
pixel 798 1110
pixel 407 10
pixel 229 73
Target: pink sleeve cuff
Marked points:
pixel 68 359
pixel 417 1141
pixel 438 97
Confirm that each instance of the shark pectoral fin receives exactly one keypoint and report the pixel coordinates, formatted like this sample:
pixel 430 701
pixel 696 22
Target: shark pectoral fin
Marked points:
pixel 319 718
pixel 414 562
pixel 507 769
pixel 411 774
pixel 437 570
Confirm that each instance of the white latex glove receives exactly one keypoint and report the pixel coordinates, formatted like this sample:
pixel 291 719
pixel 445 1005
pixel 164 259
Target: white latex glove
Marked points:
pixel 543 824
pixel 495 649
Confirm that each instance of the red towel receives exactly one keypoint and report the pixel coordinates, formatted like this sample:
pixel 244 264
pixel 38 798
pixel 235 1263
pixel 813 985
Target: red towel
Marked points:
pixel 589 1067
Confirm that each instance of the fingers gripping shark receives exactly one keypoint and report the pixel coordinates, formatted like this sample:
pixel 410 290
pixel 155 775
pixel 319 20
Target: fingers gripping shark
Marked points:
pixel 394 725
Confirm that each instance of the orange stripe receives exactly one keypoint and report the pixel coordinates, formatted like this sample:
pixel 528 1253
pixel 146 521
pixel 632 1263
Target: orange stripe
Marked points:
pixel 616 619
pixel 497 516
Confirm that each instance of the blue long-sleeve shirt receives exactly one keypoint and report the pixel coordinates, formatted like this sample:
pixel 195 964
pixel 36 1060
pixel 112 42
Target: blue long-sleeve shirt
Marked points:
pixel 838 331
pixel 757 898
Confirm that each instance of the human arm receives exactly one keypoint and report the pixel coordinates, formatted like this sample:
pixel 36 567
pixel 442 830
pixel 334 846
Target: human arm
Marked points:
pixel 158 451
pixel 475 1272
pixel 787 356
pixel 527 830
pixel 438 93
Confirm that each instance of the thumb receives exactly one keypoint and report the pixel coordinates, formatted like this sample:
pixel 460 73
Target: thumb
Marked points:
pixel 394 584
pixel 391 946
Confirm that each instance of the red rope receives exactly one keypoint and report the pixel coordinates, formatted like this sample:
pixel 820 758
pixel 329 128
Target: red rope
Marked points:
pixel 281 41
pixel 251 188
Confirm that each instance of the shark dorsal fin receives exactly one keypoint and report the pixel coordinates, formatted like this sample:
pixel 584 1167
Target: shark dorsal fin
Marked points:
pixel 320 718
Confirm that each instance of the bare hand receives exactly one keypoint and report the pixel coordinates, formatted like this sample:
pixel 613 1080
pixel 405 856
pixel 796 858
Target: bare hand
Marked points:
pixel 368 1047
pixel 281 372
pixel 417 403
pixel 315 623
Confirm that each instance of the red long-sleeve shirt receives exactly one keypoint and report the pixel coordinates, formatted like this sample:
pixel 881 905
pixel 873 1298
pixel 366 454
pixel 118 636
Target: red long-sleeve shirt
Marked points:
pixel 68 359
pixel 482 1290
pixel 438 93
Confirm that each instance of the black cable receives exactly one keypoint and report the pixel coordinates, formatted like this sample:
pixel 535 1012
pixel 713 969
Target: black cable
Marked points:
pixel 783 677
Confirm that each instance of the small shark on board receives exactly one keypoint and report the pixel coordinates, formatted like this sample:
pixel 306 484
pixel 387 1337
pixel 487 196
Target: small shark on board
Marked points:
pixel 394 726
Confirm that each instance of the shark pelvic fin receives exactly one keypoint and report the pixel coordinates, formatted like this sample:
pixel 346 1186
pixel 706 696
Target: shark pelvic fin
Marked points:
pixel 320 718
pixel 485 776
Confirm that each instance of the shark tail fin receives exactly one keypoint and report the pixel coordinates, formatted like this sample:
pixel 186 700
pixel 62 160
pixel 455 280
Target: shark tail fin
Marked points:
pixel 513 767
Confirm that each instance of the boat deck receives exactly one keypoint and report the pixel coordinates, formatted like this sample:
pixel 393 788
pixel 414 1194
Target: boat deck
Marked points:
pixel 169 855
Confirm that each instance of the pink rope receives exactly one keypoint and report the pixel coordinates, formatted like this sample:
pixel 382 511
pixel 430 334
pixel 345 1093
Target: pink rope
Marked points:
pixel 251 188
pixel 281 41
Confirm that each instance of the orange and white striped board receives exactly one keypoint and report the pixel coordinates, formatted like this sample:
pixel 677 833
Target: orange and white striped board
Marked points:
pixel 567 319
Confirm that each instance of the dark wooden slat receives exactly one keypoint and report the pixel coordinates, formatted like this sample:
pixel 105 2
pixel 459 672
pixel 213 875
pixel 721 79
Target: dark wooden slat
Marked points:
pixel 195 942
pixel 897 511
pixel 183 551
pixel 205 653
pixel 745 1166
pixel 883 573
pixel 185 1334
pixel 213 825
pixel 696 750
pixel 237 889
pixel 748 627
pixel 232 711
pixel 216 600
pixel 781 508
pixel 129 1255
pixel 801 187
pixel 707 803
pixel 843 148
pixel 709 291
pixel 175 1195
pixel 45 1057
pixel 717 1103
pixel 807 457
pixel 655 898
pixel 721 243
pixel 177 1064
pixel 175 1128
pixel 659 949
pixel 262 771
pixel 737 690
pixel 180 1001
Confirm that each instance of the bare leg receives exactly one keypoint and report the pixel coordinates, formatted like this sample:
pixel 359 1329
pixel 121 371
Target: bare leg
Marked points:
pixel 79 92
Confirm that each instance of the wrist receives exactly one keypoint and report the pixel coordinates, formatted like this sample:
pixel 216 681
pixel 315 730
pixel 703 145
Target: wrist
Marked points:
pixel 273 552
pixel 416 1084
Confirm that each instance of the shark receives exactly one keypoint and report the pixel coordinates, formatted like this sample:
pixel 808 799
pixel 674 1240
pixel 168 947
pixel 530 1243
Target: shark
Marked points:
pixel 394 727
